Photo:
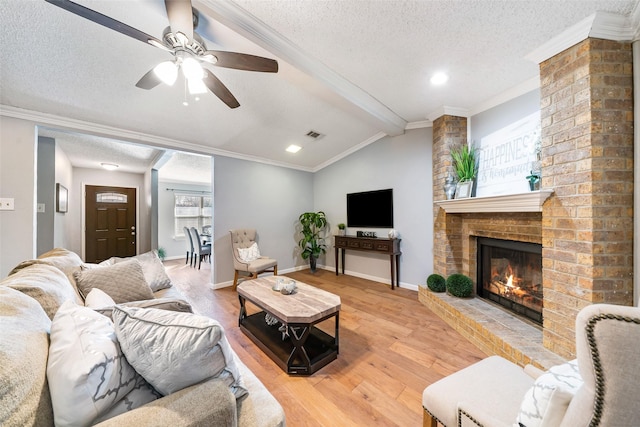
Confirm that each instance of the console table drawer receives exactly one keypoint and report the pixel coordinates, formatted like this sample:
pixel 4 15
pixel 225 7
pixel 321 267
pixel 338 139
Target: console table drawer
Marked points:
pixel 383 246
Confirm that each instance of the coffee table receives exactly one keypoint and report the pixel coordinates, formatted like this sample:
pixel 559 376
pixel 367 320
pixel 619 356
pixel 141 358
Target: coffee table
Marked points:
pixel 306 348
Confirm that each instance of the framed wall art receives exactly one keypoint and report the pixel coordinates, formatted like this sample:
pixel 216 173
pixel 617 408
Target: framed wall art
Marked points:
pixel 62 198
pixel 463 190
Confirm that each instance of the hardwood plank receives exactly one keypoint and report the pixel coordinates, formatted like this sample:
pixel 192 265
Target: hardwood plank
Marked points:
pixel 391 348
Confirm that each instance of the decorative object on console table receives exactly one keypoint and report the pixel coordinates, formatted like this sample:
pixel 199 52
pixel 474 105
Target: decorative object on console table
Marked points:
pixel 312 243
pixel 342 229
pixel 366 234
pixel 393 234
pixel 379 245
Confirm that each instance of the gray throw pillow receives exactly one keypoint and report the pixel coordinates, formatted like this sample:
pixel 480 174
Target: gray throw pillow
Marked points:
pixel 153 269
pixel 174 350
pixel 123 281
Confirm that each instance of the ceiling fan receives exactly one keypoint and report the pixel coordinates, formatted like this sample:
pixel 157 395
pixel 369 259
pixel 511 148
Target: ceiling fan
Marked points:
pixel 186 46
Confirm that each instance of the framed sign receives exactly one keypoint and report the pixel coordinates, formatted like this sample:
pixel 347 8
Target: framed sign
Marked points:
pixel 62 198
pixel 506 157
pixel 463 190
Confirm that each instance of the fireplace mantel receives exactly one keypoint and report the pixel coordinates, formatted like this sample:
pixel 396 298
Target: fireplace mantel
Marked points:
pixel 530 201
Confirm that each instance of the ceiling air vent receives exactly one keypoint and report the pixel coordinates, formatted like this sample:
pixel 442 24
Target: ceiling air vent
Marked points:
pixel 313 134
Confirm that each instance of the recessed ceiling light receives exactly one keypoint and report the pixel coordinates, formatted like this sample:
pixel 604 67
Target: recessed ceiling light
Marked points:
pixel 439 78
pixel 293 148
pixel 109 166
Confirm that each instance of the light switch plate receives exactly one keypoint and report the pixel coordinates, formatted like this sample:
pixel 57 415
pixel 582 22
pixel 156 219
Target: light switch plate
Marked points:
pixel 6 204
pixel 41 208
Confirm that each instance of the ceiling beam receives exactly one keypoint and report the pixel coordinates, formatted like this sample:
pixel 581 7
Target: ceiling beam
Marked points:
pixel 250 27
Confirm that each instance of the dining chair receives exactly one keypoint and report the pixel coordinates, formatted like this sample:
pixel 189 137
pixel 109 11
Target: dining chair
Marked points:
pixel 189 242
pixel 200 250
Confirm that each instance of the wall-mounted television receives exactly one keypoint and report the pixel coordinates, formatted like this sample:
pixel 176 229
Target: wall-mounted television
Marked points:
pixel 370 209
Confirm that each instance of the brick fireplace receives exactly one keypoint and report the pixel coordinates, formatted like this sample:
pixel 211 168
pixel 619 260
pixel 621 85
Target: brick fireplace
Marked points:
pixel 585 227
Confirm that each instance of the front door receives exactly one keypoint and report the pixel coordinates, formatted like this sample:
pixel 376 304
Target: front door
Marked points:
pixel 110 215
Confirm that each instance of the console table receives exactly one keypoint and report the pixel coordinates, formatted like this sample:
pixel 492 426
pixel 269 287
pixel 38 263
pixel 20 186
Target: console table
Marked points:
pixel 390 247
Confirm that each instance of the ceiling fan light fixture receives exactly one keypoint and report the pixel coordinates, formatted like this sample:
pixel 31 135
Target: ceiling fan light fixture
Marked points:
pixel 192 69
pixel 182 39
pixel 196 86
pixel 167 72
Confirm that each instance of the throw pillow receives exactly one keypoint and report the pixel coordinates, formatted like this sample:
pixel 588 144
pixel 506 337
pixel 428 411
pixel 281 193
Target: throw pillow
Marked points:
pixel 546 402
pixel 97 298
pixel 249 254
pixel 171 304
pixel 175 350
pixel 153 269
pixel 123 281
pixel 87 372
pixel 44 283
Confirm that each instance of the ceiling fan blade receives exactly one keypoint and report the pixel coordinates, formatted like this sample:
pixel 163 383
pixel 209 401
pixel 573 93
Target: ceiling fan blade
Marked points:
pixel 243 61
pixel 149 80
pixel 105 21
pixel 180 17
pixel 220 90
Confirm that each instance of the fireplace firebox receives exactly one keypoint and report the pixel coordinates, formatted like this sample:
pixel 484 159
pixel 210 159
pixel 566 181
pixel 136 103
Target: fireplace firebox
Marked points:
pixel 510 274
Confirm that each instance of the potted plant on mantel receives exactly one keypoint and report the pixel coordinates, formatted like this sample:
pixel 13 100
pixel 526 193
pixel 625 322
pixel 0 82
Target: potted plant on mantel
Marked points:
pixel 465 163
pixel 312 243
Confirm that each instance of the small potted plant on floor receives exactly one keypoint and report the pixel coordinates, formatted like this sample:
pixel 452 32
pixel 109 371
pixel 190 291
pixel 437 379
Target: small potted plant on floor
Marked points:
pixel 342 229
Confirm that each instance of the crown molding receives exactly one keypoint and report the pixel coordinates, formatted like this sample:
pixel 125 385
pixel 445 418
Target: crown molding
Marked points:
pixel 419 125
pixel 250 27
pixel 602 25
pixel 51 120
pixel 448 111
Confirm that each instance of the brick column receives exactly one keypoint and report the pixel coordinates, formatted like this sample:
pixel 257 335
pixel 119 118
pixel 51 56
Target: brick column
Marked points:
pixel 587 150
pixel 448 132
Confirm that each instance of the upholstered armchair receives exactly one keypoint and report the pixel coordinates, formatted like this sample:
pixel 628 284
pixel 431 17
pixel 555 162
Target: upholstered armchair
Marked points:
pixel 599 388
pixel 247 260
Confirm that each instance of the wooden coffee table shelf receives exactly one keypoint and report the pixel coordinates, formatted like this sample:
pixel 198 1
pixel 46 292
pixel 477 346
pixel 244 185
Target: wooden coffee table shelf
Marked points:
pixel 307 348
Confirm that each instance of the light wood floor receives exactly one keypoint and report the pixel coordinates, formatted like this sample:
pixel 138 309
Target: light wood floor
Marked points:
pixel 391 348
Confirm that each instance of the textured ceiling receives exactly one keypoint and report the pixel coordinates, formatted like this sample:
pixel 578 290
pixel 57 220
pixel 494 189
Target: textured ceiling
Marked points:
pixel 54 62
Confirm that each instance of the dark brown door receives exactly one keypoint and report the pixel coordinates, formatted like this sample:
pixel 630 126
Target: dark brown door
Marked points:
pixel 110 215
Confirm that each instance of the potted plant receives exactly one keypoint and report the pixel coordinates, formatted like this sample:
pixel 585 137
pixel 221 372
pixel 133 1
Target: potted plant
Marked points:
pixel 465 162
pixel 161 253
pixel 342 229
pixel 534 181
pixel 312 243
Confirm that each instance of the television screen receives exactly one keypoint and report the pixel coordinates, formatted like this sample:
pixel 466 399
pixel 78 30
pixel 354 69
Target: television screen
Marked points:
pixel 372 209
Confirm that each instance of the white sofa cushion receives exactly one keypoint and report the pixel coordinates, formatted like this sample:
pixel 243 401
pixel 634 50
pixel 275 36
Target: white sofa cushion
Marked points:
pixel 546 402
pixel 87 372
pixel 174 350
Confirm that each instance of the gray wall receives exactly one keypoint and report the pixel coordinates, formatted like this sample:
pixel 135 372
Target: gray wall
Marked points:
pixel 493 119
pixel 46 193
pixel 404 164
pixel 18 157
pixel 267 198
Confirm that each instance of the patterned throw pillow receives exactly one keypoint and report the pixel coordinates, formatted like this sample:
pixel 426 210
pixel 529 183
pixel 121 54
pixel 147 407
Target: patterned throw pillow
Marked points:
pixel 153 269
pixel 249 254
pixel 174 350
pixel 548 399
pixel 87 372
pixel 123 281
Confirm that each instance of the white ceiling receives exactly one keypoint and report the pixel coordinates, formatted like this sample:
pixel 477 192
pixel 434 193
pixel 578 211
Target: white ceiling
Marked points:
pixel 350 70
